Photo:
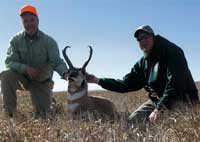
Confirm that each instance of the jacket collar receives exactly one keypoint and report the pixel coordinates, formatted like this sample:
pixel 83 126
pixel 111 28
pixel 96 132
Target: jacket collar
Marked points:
pixel 35 36
pixel 155 52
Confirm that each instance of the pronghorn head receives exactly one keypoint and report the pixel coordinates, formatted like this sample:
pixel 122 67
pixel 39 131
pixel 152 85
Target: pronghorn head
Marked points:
pixel 77 76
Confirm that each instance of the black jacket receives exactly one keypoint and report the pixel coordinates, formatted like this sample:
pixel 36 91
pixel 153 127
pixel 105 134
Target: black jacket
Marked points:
pixel 165 71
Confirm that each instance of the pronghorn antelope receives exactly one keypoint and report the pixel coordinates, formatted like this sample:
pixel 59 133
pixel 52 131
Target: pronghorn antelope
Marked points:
pixel 79 103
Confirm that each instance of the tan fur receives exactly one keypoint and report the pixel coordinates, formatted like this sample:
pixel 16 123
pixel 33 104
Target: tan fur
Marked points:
pixel 98 106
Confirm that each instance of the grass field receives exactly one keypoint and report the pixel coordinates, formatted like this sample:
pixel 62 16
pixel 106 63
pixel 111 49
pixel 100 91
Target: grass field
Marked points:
pixel 181 125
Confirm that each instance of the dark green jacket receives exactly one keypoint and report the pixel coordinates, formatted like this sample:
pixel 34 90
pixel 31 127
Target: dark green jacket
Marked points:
pixel 41 53
pixel 165 71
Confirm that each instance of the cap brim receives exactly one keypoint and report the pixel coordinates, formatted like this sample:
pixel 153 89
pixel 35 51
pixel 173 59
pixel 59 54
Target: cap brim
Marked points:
pixel 27 12
pixel 140 30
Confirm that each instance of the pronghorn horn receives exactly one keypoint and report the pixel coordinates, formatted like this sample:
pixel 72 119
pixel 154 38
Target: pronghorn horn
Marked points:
pixel 86 63
pixel 66 57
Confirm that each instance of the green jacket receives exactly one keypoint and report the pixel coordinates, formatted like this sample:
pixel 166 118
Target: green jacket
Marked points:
pixel 164 71
pixel 41 53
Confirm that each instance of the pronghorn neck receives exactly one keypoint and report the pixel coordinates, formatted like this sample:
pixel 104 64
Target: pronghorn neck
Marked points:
pixel 78 94
pixel 76 98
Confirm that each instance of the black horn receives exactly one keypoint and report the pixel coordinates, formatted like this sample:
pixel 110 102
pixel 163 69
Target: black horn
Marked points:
pixel 66 57
pixel 86 63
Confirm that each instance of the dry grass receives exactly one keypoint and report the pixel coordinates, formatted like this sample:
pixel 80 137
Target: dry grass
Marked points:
pixel 182 125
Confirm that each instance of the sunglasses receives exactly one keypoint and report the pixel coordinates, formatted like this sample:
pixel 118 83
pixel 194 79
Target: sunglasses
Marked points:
pixel 145 37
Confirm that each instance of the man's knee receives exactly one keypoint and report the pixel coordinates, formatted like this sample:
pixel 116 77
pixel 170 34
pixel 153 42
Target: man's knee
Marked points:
pixel 7 75
pixel 14 78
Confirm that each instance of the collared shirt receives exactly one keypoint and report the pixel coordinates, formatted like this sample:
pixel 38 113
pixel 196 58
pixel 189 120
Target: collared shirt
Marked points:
pixel 40 52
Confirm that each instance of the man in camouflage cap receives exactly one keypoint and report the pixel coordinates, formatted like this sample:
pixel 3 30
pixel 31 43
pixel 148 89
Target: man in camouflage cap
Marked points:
pixel 162 71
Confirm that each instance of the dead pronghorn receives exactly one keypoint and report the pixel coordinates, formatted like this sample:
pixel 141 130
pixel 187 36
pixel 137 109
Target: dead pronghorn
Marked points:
pixel 79 103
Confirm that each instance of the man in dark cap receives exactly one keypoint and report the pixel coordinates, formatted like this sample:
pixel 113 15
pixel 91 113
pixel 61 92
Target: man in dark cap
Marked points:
pixel 162 71
pixel 31 59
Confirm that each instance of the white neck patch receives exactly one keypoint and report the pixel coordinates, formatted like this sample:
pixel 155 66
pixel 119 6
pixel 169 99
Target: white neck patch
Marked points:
pixel 77 95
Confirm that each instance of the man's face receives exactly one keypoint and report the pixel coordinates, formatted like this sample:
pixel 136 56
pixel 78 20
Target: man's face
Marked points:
pixel 30 23
pixel 145 42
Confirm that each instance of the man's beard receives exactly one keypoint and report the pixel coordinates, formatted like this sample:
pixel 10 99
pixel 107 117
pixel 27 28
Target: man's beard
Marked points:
pixel 146 54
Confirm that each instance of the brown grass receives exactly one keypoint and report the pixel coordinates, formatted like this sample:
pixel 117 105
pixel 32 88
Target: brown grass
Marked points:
pixel 181 125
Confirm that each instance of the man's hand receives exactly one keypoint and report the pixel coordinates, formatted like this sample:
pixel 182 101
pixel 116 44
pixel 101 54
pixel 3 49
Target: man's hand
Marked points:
pixel 154 116
pixel 33 73
pixel 65 76
pixel 92 78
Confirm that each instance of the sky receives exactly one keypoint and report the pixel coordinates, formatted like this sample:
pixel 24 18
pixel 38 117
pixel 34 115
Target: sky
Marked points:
pixel 108 26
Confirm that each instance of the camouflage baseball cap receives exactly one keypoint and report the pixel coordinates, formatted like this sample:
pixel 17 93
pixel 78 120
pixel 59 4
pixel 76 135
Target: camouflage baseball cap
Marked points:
pixel 145 28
